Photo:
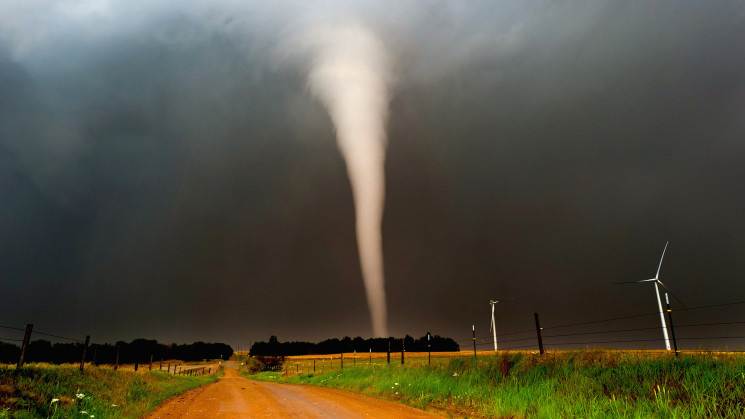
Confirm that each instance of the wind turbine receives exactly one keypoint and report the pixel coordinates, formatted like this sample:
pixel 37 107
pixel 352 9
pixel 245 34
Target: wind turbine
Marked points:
pixel 656 281
pixel 493 326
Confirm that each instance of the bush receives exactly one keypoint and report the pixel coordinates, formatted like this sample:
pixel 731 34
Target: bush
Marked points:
pixel 260 363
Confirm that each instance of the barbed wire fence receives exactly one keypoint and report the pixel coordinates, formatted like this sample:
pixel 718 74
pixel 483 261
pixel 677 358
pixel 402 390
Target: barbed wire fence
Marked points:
pixel 24 342
pixel 558 337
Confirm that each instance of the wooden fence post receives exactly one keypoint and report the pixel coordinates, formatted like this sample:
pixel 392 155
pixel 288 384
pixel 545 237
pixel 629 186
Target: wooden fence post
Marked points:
pixel 402 351
pixel 538 330
pixel 85 349
pixel 116 365
pixel 26 338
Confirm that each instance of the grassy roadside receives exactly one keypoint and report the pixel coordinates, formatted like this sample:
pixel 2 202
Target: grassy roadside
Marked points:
pixel 593 383
pixel 60 391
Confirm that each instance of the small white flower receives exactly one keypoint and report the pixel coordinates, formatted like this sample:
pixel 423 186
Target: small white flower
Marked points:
pixel 396 383
pixel 80 395
pixel 113 405
pixel 55 400
pixel 83 412
pixel 455 374
pixel 396 392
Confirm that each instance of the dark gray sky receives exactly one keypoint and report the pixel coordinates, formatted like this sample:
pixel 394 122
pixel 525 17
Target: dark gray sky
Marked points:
pixel 165 173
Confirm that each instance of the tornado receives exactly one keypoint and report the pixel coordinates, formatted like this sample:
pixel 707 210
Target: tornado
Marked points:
pixel 350 75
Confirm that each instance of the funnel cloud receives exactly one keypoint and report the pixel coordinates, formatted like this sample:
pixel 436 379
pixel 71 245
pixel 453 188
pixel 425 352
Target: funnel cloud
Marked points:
pixel 350 76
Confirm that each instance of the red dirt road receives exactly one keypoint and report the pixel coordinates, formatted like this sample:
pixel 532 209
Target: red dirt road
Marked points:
pixel 234 396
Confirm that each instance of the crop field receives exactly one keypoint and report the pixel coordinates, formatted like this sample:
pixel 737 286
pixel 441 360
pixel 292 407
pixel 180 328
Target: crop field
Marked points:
pixel 62 391
pixel 585 383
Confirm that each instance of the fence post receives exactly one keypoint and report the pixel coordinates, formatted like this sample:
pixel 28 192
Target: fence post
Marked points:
pixel 95 352
pixel 370 356
pixel 160 367
pixel 473 327
pixel 116 364
pixel 26 338
pixel 169 368
pixel 389 351
pixel 402 351
pixel 150 368
pixel 341 360
pixel 354 358
pixel 538 330
pixel 670 318
pixel 85 349
pixel 314 365
pixel 429 351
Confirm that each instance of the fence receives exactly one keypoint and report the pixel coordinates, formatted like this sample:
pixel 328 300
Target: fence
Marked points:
pixel 686 335
pixel 574 335
pixel 77 349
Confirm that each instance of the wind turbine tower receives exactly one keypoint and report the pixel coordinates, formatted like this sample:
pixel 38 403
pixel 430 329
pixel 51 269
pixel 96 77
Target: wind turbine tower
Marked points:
pixel 493 325
pixel 657 283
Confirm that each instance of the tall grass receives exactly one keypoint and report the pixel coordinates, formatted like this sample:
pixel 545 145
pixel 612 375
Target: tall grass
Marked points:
pixel 592 383
pixel 61 391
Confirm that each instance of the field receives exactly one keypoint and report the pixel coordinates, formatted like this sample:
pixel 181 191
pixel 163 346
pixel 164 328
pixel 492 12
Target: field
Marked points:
pixel 587 383
pixel 61 391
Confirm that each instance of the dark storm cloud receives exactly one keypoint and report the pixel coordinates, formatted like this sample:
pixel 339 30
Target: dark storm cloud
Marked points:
pixel 165 173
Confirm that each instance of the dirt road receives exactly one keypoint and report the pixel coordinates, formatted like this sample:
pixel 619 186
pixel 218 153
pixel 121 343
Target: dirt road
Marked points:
pixel 234 396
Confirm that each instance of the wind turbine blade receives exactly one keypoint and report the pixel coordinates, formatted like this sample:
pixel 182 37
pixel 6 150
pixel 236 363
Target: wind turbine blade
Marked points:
pixel 660 267
pixel 671 293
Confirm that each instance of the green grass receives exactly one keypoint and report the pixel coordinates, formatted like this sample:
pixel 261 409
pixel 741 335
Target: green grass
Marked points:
pixel 61 391
pixel 588 384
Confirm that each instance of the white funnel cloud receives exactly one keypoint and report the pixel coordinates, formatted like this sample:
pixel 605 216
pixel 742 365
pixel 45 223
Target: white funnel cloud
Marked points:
pixel 350 74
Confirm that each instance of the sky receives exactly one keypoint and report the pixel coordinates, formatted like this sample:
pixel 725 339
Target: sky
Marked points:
pixel 167 172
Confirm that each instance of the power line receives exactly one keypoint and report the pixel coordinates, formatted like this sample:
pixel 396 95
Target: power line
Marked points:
pixel 11 340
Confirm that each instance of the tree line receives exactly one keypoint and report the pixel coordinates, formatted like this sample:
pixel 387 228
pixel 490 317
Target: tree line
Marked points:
pixel 139 350
pixel 274 347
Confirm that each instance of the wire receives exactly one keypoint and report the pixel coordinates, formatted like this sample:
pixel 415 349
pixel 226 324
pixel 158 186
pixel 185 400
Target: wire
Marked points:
pixel 604 341
pixel 600 321
pixel 707 324
pixel 11 340
pixel 12 328
pixel 57 336
pixel 712 305
pixel 601 332
pixel 712 337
